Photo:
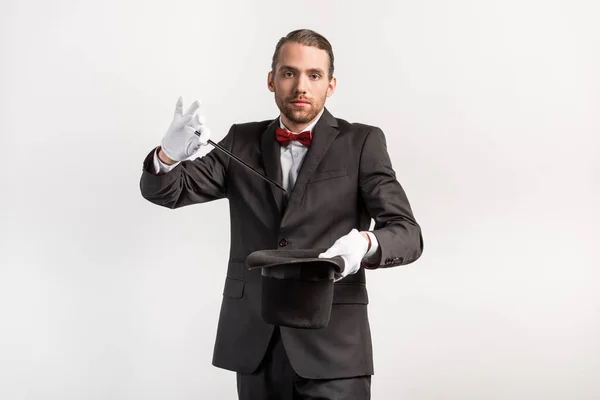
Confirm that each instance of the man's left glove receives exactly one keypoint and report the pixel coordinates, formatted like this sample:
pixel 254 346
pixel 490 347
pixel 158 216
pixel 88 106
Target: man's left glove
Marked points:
pixel 352 248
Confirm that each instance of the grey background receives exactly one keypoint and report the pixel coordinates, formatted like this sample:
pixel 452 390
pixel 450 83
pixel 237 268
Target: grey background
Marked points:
pixel 491 110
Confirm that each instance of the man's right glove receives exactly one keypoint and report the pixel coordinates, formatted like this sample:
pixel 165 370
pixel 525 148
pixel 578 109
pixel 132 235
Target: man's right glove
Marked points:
pixel 180 141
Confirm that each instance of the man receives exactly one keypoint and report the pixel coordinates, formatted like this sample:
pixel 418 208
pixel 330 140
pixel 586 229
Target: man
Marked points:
pixel 338 177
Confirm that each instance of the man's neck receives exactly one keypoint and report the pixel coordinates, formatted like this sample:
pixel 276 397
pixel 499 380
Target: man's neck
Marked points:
pixel 297 128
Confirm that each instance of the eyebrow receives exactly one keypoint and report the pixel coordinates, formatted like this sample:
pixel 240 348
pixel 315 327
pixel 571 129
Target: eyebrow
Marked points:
pixel 312 70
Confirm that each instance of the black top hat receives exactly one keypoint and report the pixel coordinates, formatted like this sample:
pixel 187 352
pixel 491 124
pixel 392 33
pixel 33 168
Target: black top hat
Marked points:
pixel 297 286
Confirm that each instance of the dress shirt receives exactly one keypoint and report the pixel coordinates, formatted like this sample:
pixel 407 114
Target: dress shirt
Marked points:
pixel 291 157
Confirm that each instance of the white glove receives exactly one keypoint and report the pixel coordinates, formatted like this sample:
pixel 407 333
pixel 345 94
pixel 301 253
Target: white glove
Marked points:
pixel 181 142
pixel 352 248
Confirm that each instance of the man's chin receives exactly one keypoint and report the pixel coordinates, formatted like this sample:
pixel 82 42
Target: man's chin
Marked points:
pixel 301 117
pixel 297 119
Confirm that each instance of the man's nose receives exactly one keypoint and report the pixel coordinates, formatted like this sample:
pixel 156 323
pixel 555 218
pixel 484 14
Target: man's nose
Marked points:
pixel 301 84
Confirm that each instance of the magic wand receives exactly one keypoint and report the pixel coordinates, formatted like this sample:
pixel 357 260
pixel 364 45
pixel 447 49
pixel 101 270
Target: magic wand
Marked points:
pixel 224 150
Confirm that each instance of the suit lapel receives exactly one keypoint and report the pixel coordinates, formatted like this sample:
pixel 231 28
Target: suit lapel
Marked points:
pixel 324 132
pixel 271 155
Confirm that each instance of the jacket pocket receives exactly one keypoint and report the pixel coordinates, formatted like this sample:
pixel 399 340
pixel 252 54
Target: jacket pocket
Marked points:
pixel 234 288
pixel 326 175
pixel 350 293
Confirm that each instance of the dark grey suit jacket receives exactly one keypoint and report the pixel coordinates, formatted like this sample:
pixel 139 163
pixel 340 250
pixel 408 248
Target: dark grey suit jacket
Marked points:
pixel 345 180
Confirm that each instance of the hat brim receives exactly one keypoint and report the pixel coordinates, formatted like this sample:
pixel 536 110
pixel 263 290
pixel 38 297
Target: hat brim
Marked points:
pixel 307 258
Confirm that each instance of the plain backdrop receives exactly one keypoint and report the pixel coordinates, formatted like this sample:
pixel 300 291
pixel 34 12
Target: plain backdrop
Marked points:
pixel 491 112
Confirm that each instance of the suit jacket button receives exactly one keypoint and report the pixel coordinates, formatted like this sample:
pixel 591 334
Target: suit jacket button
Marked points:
pixel 283 243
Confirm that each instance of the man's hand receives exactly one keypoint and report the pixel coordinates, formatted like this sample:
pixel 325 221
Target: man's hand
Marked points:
pixel 352 248
pixel 180 141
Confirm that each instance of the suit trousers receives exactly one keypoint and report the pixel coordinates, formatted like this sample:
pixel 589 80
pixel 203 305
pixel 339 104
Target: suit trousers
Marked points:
pixel 275 379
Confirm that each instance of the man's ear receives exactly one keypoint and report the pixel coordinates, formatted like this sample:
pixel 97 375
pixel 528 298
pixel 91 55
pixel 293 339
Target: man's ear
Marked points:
pixel 331 87
pixel 270 82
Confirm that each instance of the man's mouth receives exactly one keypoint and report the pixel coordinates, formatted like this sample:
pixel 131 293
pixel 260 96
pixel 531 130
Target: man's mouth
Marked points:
pixel 300 102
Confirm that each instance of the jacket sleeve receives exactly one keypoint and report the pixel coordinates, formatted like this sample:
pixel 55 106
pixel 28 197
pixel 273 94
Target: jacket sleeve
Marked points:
pixel 397 232
pixel 191 181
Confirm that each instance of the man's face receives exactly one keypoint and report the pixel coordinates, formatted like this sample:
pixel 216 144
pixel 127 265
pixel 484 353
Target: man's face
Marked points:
pixel 301 83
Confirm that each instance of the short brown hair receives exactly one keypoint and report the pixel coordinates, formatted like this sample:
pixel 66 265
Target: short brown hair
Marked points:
pixel 306 37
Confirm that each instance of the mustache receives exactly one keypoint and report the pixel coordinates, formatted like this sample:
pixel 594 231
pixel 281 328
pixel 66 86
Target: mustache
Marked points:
pixel 300 99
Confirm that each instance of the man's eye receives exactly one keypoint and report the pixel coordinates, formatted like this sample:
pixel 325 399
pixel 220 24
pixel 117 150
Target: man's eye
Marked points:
pixel 288 74
pixel 315 76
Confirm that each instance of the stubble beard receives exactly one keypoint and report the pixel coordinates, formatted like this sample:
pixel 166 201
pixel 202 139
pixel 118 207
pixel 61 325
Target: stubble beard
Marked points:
pixel 299 115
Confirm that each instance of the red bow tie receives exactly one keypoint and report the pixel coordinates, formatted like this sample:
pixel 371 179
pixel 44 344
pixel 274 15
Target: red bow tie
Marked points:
pixel 285 137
